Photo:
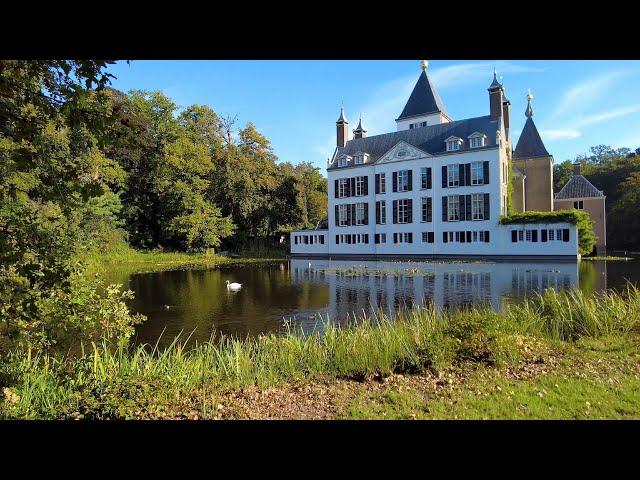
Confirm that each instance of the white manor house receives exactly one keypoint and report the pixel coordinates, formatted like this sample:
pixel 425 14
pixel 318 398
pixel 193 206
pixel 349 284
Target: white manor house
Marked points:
pixel 434 188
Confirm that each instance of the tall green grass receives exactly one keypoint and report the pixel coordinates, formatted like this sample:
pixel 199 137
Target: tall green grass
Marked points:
pixel 103 378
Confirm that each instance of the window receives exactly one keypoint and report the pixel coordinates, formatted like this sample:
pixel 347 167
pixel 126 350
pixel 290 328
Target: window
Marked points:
pixel 342 215
pixel 453 145
pixel 380 238
pixel 381 212
pixel 359 213
pixel 342 161
pixel 358 159
pixel 404 212
pixel 477 173
pixel 476 142
pixel 321 239
pixel 417 125
pixel 578 205
pixel 559 234
pixel 520 235
pixel 343 186
pixel 484 236
pixel 453 208
pixel 528 235
pixel 427 237
pixel 475 236
pixel 477 206
pixel 360 186
pixel 453 174
pixel 403 180
pixel 381 183
pixel 426 209
pixel 552 235
pixel 425 178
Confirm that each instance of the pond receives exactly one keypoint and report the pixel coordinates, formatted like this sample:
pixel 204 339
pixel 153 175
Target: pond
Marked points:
pixel 300 290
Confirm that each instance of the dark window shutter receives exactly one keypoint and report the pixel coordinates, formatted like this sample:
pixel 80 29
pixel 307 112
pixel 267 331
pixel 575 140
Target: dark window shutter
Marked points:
pixel 485 172
pixel 461 171
pixel 462 206
pixel 410 178
pixel 353 213
pixel 467 201
pixel 366 213
pixel 377 213
pixel 410 237
pixel 486 236
pixel 377 183
pixel 429 209
pixel 430 237
pixel 336 189
pixel 534 235
pixel 395 211
pixel 429 178
pixel 445 237
pixel 395 238
pixel 543 234
pixel 444 209
pixel 395 181
pixel 366 185
pixel 376 238
pixel 467 173
pixel 462 237
pixel 410 210
pixel 352 188
pixel 486 206
pixel 514 236
pixel 337 217
pixel 469 237
pixel 337 239
pixel 565 234
pixel 444 176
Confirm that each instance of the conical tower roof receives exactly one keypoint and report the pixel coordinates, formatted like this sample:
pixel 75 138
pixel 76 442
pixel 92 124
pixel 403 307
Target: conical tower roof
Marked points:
pixel 423 100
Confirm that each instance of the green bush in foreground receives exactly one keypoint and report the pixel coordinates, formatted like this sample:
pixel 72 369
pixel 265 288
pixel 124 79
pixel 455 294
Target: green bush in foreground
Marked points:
pixel 581 219
pixel 108 383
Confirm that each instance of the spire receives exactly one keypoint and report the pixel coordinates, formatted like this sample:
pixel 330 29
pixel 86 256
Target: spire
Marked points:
pixel 530 144
pixel 495 84
pixel 424 99
pixel 359 132
pixel 529 111
pixel 342 118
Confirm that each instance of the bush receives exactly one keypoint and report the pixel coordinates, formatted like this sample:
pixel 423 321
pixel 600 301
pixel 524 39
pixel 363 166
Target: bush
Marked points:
pixel 582 220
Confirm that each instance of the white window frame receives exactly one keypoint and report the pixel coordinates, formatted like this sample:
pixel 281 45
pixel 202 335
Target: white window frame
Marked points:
pixel 403 208
pixel 552 235
pixel 558 234
pixel 342 215
pixel 477 206
pixel 403 181
pixel 343 161
pixel 359 213
pixel 342 187
pixel 475 236
pixel 476 141
pixel 481 236
pixel 383 212
pixel 576 204
pixel 453 176
pixel 359 186
pixel 423 204
pixel 423 178
pixel 451 201
pixel 358 159
pixel 477 173
pixel 528 235
pixel 521 235
pixel 453 145
pixel 382 183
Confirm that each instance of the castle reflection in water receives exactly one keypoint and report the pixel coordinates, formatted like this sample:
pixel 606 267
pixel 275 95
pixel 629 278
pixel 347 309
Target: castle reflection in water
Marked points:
pixel 357 287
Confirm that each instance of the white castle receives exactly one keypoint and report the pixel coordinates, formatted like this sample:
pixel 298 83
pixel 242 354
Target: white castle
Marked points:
pixel 436 187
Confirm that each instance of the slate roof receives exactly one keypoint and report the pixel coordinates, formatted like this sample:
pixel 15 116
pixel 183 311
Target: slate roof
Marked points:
pixel 423 100
pixel 578 187
pixel 430 139
pixel 530 144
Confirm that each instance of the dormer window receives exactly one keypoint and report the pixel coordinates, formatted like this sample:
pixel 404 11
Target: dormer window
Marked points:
pixel 477 140
pixel 360 158
pixel 417 125
pixel 343 161
pixel 453 144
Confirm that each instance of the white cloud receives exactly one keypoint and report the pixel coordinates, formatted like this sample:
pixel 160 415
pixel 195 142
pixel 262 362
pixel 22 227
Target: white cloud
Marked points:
pixel 560 134
pixel 608 115
pixel 585 93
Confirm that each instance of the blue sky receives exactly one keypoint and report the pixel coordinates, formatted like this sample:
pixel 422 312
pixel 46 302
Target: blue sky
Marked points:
pixel 577 104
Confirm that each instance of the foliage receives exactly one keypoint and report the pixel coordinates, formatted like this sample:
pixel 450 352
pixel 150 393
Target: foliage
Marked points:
pixel 614 172
pixel 581 219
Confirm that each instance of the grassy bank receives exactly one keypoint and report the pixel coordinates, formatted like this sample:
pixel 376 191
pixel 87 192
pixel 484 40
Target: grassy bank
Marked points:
pixel 217 380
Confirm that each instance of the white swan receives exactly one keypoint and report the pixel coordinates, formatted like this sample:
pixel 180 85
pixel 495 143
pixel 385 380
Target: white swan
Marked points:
pixel 234 285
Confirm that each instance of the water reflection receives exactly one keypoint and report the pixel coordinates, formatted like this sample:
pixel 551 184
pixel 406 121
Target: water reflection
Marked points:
pixel 337 290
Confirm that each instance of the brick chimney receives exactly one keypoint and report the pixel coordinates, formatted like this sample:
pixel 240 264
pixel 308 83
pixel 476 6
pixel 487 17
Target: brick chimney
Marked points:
pixel 342 129
pixel 496 97
pixel 577 168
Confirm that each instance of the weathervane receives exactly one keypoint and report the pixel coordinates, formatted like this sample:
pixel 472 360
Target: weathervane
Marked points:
pixel 424 64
